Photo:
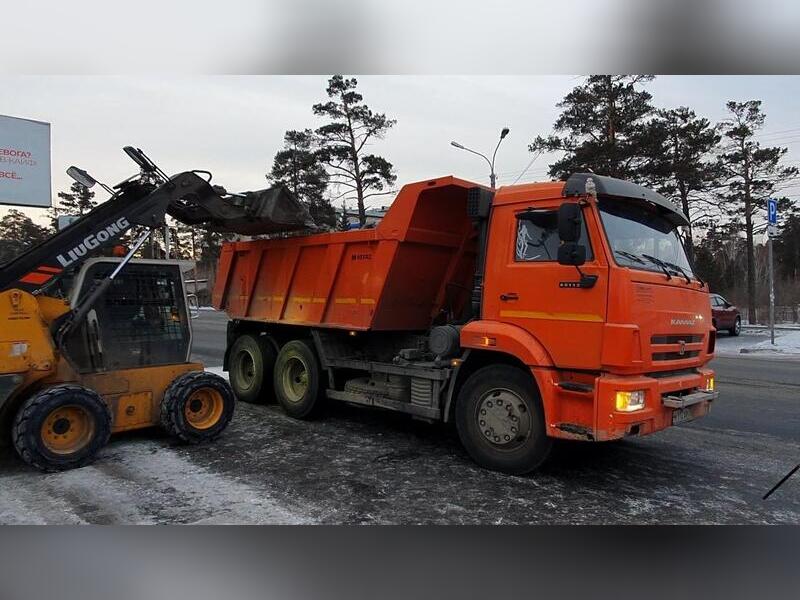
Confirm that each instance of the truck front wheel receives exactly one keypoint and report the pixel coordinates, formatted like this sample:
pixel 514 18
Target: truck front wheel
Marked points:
pixel 252 360
pixel 297 380
pixel 500 420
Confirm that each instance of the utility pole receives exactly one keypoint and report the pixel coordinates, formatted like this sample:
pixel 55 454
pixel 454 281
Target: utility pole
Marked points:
pixel 772 222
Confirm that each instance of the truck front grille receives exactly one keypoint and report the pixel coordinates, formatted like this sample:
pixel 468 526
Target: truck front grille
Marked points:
pixel 672 346
pixel 677 339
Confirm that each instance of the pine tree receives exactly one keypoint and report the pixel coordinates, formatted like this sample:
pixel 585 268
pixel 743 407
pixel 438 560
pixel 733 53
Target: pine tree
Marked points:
pixel 18 232
pixel 352 125
pixel 601 128
pixel 344 222
pixel 78 201
pixel 299 167
pixel 751 174
pixel 680 166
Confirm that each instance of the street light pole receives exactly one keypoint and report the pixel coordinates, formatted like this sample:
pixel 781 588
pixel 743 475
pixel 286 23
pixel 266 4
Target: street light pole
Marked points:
pixel 492 176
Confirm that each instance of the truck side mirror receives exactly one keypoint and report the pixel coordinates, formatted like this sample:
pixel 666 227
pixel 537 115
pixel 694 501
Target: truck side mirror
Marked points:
pixel 570 253
pixel 569 222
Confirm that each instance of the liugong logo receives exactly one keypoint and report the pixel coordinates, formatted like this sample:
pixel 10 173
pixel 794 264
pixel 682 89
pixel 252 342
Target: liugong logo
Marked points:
pixel 92 241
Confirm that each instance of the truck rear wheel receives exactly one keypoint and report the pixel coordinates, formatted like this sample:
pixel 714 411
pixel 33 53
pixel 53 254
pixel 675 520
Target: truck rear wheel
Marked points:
pixel 197 407
pixel 500 420
pixel 62 427
pixel 297 380
pixel 252 360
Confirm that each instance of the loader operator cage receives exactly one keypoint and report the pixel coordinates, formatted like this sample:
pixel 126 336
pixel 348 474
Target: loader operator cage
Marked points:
pixel 141 320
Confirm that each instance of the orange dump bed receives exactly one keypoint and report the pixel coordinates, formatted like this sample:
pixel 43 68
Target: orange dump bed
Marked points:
pixel 401 275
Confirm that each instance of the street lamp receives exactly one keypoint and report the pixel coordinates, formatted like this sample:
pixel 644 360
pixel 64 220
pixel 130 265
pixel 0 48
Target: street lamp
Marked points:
pixel 492 177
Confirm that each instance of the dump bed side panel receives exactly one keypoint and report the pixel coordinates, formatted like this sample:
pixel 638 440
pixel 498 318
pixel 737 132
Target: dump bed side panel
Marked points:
pixel 398 276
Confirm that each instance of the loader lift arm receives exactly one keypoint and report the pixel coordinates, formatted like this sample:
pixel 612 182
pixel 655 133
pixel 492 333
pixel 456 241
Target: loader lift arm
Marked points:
pixel 136 203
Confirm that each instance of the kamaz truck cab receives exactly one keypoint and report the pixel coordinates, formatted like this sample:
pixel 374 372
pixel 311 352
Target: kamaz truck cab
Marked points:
pixel 589 280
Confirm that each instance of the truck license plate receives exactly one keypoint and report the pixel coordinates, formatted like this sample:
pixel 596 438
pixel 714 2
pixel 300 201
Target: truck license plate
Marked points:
pixel 681 415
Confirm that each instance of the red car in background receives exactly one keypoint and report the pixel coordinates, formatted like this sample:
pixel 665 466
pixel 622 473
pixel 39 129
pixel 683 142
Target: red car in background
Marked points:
pixel 725 315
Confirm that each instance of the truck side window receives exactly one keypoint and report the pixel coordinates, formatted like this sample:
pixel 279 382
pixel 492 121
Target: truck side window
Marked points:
pixel 537 237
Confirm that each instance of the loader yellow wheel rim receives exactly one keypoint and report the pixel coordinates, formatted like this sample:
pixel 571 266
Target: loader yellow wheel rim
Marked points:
pixel 204 408
pixel 67 429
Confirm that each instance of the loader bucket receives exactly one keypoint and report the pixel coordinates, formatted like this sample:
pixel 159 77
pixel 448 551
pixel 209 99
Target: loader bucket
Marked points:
pixel 270 211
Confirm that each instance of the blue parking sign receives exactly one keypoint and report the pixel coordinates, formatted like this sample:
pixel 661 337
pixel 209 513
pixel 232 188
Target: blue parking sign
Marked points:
pixel 772 211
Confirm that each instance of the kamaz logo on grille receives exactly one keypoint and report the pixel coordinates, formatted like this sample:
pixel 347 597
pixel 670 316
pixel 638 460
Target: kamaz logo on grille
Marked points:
pixel 93 240
pixel 686 322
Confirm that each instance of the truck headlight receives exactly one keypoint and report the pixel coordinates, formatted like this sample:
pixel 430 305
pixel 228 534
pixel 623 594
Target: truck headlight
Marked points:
pixel 630 401
pixel 710 384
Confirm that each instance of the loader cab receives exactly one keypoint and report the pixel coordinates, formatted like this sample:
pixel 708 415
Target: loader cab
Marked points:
pixel 142 320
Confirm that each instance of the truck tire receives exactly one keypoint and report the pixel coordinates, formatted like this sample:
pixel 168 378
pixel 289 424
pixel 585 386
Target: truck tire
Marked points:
pixel 737 327
pixel 500 420
pixel 297 380
pixel 197 407
pixel 252 361
pixel 62 427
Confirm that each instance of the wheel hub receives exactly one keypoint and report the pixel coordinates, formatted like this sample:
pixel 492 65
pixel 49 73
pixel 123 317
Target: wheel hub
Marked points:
pixel 502 417
pixel 247 368
pixel 204 408
pixel 67 429
pixel 295 379
pixel 61 426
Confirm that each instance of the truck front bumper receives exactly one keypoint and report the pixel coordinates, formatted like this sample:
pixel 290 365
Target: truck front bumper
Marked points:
pixel 593 414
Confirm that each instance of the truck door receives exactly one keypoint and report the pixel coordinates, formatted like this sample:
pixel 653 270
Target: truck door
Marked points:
pixel 526 286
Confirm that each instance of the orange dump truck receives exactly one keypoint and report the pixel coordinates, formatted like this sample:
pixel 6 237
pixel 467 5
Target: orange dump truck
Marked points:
pixel 533 312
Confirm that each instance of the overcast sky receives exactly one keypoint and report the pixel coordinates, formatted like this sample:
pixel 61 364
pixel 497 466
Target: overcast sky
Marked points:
pixel 233 125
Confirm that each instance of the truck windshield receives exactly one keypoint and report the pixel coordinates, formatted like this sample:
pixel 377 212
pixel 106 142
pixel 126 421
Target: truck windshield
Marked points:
pixel 642 238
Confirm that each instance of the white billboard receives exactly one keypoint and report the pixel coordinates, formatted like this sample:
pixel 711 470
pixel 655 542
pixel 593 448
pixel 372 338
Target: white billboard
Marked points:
pixel 24 162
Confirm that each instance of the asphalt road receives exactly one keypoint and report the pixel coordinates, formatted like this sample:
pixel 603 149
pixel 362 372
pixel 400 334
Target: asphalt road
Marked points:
pixel 365 466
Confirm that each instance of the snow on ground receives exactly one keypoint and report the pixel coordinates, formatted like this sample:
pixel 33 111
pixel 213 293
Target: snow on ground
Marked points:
pixel 757 341
pixel 787 343
pixel 218 371
pixel 139 481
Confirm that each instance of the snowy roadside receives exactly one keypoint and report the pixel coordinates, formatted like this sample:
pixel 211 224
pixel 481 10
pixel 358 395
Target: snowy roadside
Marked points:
pixel 757 342
pixel 217 371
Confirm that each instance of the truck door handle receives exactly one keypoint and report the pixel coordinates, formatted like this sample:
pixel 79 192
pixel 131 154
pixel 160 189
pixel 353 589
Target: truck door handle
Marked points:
pixel 509 296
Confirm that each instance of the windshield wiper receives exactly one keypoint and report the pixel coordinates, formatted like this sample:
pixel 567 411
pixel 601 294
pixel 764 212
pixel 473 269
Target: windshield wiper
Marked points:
pixel 679 268
pixel 629 256
pixel 660 263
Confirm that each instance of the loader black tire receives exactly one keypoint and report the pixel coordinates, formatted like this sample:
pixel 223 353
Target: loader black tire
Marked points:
pixel 62 427
pixel 197 407
pixel 252 361
pixel 500 420
pixel 298 380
